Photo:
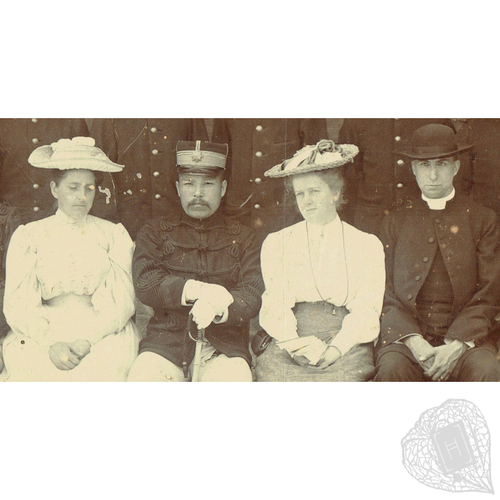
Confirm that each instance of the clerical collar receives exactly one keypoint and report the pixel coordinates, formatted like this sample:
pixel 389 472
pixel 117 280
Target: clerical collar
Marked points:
pixel 440 203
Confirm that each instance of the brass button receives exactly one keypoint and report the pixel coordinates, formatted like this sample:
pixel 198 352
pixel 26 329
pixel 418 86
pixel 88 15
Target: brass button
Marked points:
pixel 431 240
pixel 426 259
pixel 35 186
pixel 155 152
pixel 400 162
pixel 154 130
pixel 438 221
pixel 410 296
pixel 399 185
pixel 34 120
pixel 258 154
pixel 258 180
pixel 156 174
pixel 256 206
pixel 36 209
pixel 157 196
pixel 397 138
pixel 35 140
pixel 417 278
pixel 258 128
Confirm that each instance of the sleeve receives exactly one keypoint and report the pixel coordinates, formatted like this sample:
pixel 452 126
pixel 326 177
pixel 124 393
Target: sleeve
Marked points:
pixel 276 315
pixel 475 320
pixel 154 285
pixel 114 299
pixel 23 307
pixel 248 291
pixel 362 324
pixel 397 320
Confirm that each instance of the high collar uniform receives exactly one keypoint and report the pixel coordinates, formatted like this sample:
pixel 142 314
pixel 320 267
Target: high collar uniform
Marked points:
pixel 171 251
pixel 466 234
pixel 145 188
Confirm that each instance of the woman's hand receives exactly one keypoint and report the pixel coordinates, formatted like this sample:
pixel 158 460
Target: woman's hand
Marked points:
pixel 80 347
pixel 331 355
pixel 62 356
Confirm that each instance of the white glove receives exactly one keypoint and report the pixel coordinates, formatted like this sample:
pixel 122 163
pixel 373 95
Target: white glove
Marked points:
pixel 217 295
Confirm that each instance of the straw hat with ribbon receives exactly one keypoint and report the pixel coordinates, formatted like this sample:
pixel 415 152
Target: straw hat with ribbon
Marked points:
pixel 76 153
pixel 324 155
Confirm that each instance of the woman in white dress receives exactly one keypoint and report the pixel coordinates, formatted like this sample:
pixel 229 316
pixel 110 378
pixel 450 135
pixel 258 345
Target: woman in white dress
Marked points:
pixel 69 296
pixel 324 279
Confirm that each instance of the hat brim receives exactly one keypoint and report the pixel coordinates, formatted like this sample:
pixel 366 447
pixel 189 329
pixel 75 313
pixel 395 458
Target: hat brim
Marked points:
pixel 42 158
pixel 349 151
pixel 431 156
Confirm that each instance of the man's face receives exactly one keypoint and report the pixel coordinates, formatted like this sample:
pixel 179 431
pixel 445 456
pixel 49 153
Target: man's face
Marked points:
pixel 435 177
pixel 200 194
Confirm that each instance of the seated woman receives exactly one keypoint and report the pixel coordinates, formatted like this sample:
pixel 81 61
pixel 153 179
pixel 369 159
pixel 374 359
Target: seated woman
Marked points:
pixel 324 279
pixel 69 296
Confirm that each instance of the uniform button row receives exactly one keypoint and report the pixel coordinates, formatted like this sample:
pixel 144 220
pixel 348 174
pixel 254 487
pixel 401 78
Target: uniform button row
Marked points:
pixel 155 152
pixel 438 221
pixel 156 174
pixel 34 120
pixel 400 162
pixel 154 130
pixel 36 209
pixel 259 128
pixel 426 259
pixel 258 154
pixel 157 196
pixel 431 240
pixel 35 140
pixel 35 186
pixel 256 206
pixel 397 138
pixel 399 185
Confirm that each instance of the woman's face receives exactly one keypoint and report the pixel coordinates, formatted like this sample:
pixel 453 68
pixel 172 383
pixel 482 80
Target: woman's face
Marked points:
pixel 75 193
pixel 315 199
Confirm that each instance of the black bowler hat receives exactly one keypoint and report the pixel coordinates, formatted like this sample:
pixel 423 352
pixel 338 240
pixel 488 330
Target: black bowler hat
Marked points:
pixel 433 141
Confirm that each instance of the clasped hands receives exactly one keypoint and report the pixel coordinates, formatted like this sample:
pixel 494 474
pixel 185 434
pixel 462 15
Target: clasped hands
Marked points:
pixel 67 355
pixel 210 302
pixel 308 354
pixel 438 362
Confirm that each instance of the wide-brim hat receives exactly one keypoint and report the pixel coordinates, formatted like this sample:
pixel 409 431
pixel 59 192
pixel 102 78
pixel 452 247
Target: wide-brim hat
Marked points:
pixel 202 157
pixel 324 155
pixel 432 142
pixel 76 153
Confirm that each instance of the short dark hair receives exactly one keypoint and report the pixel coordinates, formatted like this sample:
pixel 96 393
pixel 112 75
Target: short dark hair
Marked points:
pixel 213 173
pixel 58 175
pixel 333 178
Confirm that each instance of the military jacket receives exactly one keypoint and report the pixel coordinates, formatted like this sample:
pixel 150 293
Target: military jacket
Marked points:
pixel 214 250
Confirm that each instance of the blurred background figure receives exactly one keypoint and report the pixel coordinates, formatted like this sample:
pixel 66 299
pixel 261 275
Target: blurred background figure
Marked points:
pixel 378 180
pixel 146 186
pixel 27 188
pixel 255 145
pixel 484 133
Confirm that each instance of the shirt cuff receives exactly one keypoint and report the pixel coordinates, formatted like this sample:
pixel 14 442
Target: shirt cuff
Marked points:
pixel 400 341
pixel 469 343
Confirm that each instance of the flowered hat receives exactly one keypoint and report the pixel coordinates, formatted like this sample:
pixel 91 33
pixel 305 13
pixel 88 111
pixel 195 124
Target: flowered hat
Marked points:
pixel 76 153
pixel 325 154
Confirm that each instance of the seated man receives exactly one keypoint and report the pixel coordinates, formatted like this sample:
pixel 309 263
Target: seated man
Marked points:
pixel 197 270
pixel 443 275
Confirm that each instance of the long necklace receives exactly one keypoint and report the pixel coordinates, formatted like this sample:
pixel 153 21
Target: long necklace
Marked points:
pixel 314 275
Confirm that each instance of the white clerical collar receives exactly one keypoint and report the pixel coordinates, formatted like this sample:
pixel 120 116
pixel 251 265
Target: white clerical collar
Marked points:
pixel 440 203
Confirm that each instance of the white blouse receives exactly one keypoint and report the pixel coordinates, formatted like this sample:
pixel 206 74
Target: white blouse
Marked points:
pixel 306 263
pixel 67 280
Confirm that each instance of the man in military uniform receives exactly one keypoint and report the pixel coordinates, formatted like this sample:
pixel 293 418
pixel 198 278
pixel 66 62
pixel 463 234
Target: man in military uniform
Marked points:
pixel 197 270
pixel 378 180
pixel 28 188
pixel 443 275
pixel 255 145
pixel 146 186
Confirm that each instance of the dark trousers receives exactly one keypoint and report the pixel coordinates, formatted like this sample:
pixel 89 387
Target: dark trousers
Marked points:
pixel 479 364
